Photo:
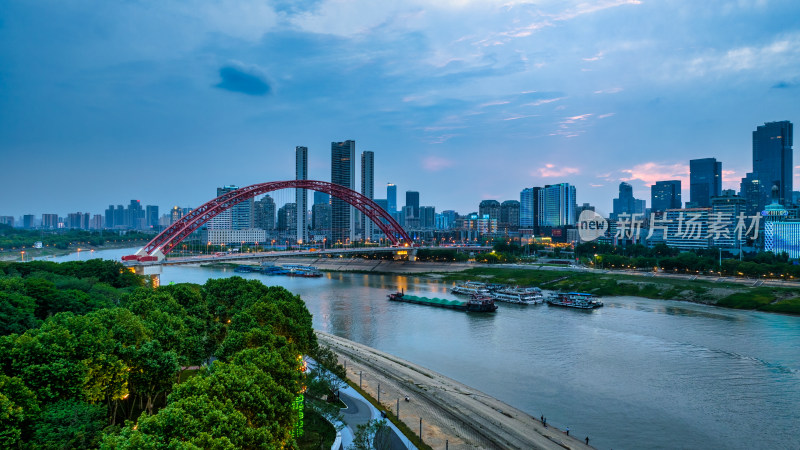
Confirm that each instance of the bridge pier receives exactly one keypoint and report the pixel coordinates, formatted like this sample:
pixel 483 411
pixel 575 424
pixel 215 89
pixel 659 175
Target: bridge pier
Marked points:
pixel 410 253
pixel 151 271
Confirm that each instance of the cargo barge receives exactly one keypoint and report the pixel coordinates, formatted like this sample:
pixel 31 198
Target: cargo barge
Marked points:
pixel 475 304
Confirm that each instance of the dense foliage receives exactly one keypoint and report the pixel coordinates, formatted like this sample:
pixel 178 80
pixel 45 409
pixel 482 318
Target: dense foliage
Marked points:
pixel 17 238
pixel 89 358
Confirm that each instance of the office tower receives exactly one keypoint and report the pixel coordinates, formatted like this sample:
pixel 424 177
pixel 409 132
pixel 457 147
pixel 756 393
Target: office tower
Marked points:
pixel 287 214
pixel 301 195
pixel 665 195
pixel 529 208
pixel 109 217
pixel 343 172
pixel 321 198
pixel 490 208
pixel 7 220
pixel 705 181
pixel 151 215
pixel 28 221
pixel 725 209
pixel 772 161
pixel 427 217
pixel 509 215
pixel 264 213
pixel 367 189
pixel 50 221
pixel 321 219
pixel 556 205
pixel 412 200
pixel 750 191
pixel 119 217
pixel 391 197
pixel 175 214
pixel 223 220
pixel 626 203
pixel 238 217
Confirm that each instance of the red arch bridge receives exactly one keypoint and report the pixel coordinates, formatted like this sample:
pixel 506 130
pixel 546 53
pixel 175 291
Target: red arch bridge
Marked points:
pixel 161 245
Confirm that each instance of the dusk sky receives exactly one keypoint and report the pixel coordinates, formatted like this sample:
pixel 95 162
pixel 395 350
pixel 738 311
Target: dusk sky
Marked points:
pixel 106 101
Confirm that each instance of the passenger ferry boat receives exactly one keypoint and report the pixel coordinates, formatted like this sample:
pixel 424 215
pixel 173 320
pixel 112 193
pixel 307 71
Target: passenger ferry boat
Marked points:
pixel 520 298
pixel 470 288
pixel 577 300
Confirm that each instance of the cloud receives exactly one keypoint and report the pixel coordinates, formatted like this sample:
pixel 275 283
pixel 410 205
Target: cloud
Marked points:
pixel 249 80
pixel 551 171
pixel 650 172
pixel 779 53
pixel 613 90
pixel 543 101
pixel 494 103
pixel 436 163
pixel 596 57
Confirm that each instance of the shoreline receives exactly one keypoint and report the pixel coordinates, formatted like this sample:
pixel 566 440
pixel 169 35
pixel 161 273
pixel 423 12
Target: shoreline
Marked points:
pixel 13 256
pixel 451 411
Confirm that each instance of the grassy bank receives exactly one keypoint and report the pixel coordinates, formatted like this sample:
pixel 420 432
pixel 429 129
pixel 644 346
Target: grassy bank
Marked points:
pixel 731 295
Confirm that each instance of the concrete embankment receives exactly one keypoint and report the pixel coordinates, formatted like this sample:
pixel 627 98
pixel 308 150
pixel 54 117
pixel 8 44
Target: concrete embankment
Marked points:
pixel 450 411
pixel 370 265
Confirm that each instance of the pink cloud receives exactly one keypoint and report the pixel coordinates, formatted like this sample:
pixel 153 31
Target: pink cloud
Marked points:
pixel 651 172
pixel 551 171
pixel 436 163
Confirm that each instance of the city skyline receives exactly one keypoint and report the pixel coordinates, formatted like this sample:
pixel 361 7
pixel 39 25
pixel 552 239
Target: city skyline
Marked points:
pixel 104 102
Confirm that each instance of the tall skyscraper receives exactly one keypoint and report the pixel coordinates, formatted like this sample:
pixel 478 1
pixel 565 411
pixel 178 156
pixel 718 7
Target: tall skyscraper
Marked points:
pixel 557 205
pixel 529 208
pixel 665 195
pixel 427 217
pixel 264 213
pixel 391 198
pixel 343 172
pixel 509 215
pixel 367 189
pixel 773 162
pixel 412 200
pixel 321 198
pixel 750 191
pixel 627 203
pixel 705 181
pixel 301 195
pixel 151 216
pixel 489 208
pixel 50 221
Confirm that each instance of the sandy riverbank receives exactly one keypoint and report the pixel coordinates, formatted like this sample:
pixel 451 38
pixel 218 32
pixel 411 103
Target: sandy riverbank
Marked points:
pixel 450 410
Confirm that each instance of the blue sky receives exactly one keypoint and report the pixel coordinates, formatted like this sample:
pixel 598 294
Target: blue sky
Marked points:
pixel 102 102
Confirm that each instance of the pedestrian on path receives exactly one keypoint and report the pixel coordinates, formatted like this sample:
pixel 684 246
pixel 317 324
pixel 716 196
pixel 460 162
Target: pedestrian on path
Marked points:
pixel 587 440
pixel 567 431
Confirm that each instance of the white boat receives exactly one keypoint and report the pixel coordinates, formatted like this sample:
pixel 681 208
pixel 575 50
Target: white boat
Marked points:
pixel 578 300
pixel 519 298
pixel 470 288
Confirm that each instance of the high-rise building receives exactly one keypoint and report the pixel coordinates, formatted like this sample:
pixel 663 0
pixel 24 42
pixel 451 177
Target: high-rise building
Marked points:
pixel 529 208
pixel 97 222
pixel 412 200
pixel 175 214
pixel 301 195
pixel 134 216
pixel 750 191
pixel 705 181
pixel 557 205
pixel 50 221
pixel 627 203
pixel 343 173
pixel 78 221
pixel 28 221
pixel 665 195
pixel 321 219
pixel 287 214
pixel 7 220
pixel 119 217
pixel 427 217
pixel 489 208
pixel 151 215
pixel 725 211
pixel 109 217
pixel 772 160
pixel 509 215
pixel 238 217
pixel 321 198
pixel 391 198
pixel 264 213
pixel 367 189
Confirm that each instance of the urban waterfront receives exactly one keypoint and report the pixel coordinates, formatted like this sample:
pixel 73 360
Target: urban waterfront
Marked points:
pixel 635 374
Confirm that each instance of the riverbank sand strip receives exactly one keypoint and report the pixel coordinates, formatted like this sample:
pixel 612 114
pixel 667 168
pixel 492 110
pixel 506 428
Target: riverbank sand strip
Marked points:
pixel 450 410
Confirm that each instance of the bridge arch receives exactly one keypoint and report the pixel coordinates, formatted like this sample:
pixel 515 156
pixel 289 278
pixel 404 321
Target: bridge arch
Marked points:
pixel 165 241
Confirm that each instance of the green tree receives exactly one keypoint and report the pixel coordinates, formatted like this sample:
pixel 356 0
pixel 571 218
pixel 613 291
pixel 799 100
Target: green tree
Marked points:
pixel 70 424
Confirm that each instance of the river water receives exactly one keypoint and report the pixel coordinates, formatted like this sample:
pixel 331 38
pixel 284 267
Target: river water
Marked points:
pixel 637 373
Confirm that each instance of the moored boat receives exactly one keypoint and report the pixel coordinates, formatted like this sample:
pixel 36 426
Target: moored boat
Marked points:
pixel 476 304
pixel 470 288
pixel 578 300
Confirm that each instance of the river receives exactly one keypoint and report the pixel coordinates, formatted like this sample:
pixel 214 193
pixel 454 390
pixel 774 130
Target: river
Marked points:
pixel 637 373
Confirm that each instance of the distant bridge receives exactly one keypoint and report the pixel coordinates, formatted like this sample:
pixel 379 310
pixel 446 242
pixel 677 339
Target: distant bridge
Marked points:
pixel 157 249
